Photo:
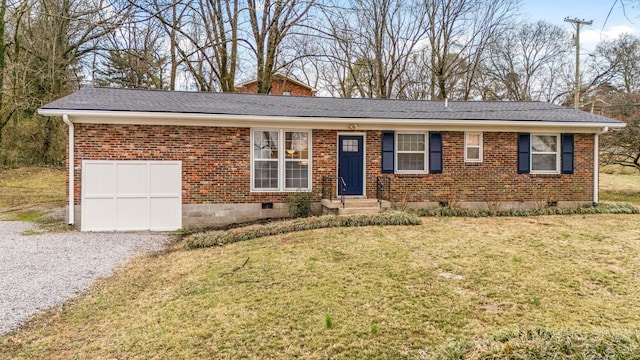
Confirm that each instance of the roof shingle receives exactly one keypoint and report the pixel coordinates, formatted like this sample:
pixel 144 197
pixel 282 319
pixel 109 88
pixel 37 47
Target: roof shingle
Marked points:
pixel 157 101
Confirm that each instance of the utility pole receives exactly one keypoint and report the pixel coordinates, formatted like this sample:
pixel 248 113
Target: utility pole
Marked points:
pixel 577 22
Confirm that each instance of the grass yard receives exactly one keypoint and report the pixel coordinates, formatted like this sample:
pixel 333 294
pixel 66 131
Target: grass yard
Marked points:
pixel 27 193
pixel 622 185
pixel 374 292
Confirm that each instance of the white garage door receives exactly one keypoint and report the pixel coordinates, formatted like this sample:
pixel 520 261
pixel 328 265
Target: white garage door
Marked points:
pixel 131 195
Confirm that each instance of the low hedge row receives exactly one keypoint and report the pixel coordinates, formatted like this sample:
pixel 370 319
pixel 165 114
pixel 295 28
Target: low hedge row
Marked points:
pixel 597 209
pixel 217 237
pixel 545 344
pixel 221 237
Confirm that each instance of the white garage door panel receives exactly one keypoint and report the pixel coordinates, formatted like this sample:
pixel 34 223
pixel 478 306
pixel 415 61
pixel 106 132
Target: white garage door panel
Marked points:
pixel 131 195
pixel 164 214
pixel 99 179
pixel 98 214
pixel 171 178
pixel 132 213
pixel 132 178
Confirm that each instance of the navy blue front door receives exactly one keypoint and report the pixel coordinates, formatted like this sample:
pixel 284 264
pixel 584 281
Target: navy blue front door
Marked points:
pixel 351 164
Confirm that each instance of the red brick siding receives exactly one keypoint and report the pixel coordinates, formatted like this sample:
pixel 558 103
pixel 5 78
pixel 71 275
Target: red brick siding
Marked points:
pixel 216 165
pixel 494 179
pixel 277 87
pixel 324 158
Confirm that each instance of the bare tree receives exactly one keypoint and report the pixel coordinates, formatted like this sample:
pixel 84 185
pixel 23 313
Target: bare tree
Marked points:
pixel 271 21
pixel 203 40
pixel 50 40
pixel 135 58
pixel 339 68
pixel 615 92
pixel 459 33
pixel 58 35
pixel 369 46
pixel 225 39
pixel 620 146
pixel 528 60
pixel 620 57
pixel 4 115
pixel 170 14
pixel 298 56
pixel 610 66
pixel 415 79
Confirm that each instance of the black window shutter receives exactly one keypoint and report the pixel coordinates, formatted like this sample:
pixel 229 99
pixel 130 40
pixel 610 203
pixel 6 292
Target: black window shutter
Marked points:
pixel 567 153
pixel 523 153
pixel 435 152
pixel 388 138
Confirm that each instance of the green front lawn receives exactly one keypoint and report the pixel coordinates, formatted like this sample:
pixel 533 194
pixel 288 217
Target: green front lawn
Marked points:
pixel 620 186
pixel 27 194
pixel 372 292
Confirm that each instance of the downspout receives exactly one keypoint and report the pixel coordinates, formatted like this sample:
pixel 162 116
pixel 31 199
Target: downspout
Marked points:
pixel 596 169
pixel 71 215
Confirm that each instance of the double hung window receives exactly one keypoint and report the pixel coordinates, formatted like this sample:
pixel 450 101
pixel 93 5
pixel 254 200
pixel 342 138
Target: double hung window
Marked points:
pixel 473 147
pixel 411 153
pixel 281 160
pixel 545 154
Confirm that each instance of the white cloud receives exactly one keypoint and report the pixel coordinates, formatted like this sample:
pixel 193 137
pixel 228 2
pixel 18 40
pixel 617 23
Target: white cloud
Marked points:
pixel 590 37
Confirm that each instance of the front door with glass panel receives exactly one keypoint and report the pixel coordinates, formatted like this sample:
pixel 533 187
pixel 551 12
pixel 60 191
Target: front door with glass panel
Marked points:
pixel 351 164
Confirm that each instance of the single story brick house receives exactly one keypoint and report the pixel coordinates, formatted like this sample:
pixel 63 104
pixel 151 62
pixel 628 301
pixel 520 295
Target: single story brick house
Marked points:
pixel 160 160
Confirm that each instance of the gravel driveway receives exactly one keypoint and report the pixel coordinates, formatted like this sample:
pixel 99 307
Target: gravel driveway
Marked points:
pixel 38 272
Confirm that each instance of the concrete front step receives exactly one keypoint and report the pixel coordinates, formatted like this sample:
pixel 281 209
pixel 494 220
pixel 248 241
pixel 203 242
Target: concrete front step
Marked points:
pixel 353 206
pixel 355 203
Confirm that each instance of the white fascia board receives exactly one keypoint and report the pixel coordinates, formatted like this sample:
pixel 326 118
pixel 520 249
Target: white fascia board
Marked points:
pixel 197 119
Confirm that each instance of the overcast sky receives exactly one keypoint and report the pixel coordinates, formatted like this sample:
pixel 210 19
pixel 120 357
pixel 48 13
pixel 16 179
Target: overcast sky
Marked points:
pixel 555 11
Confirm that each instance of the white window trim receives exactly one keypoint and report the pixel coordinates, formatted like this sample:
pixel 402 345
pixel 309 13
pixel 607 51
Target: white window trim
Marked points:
pixel 558 153
pixel 285 161
pixel 480 146
pixel 253 160
pixel 281 161
pixel 426 153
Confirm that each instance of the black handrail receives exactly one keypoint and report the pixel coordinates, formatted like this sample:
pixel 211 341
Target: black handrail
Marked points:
pixel 344 188
pixel 328 188
pixel 383 189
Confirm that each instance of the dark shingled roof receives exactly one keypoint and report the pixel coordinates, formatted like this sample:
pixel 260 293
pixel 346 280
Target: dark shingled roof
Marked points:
pixel 127 100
